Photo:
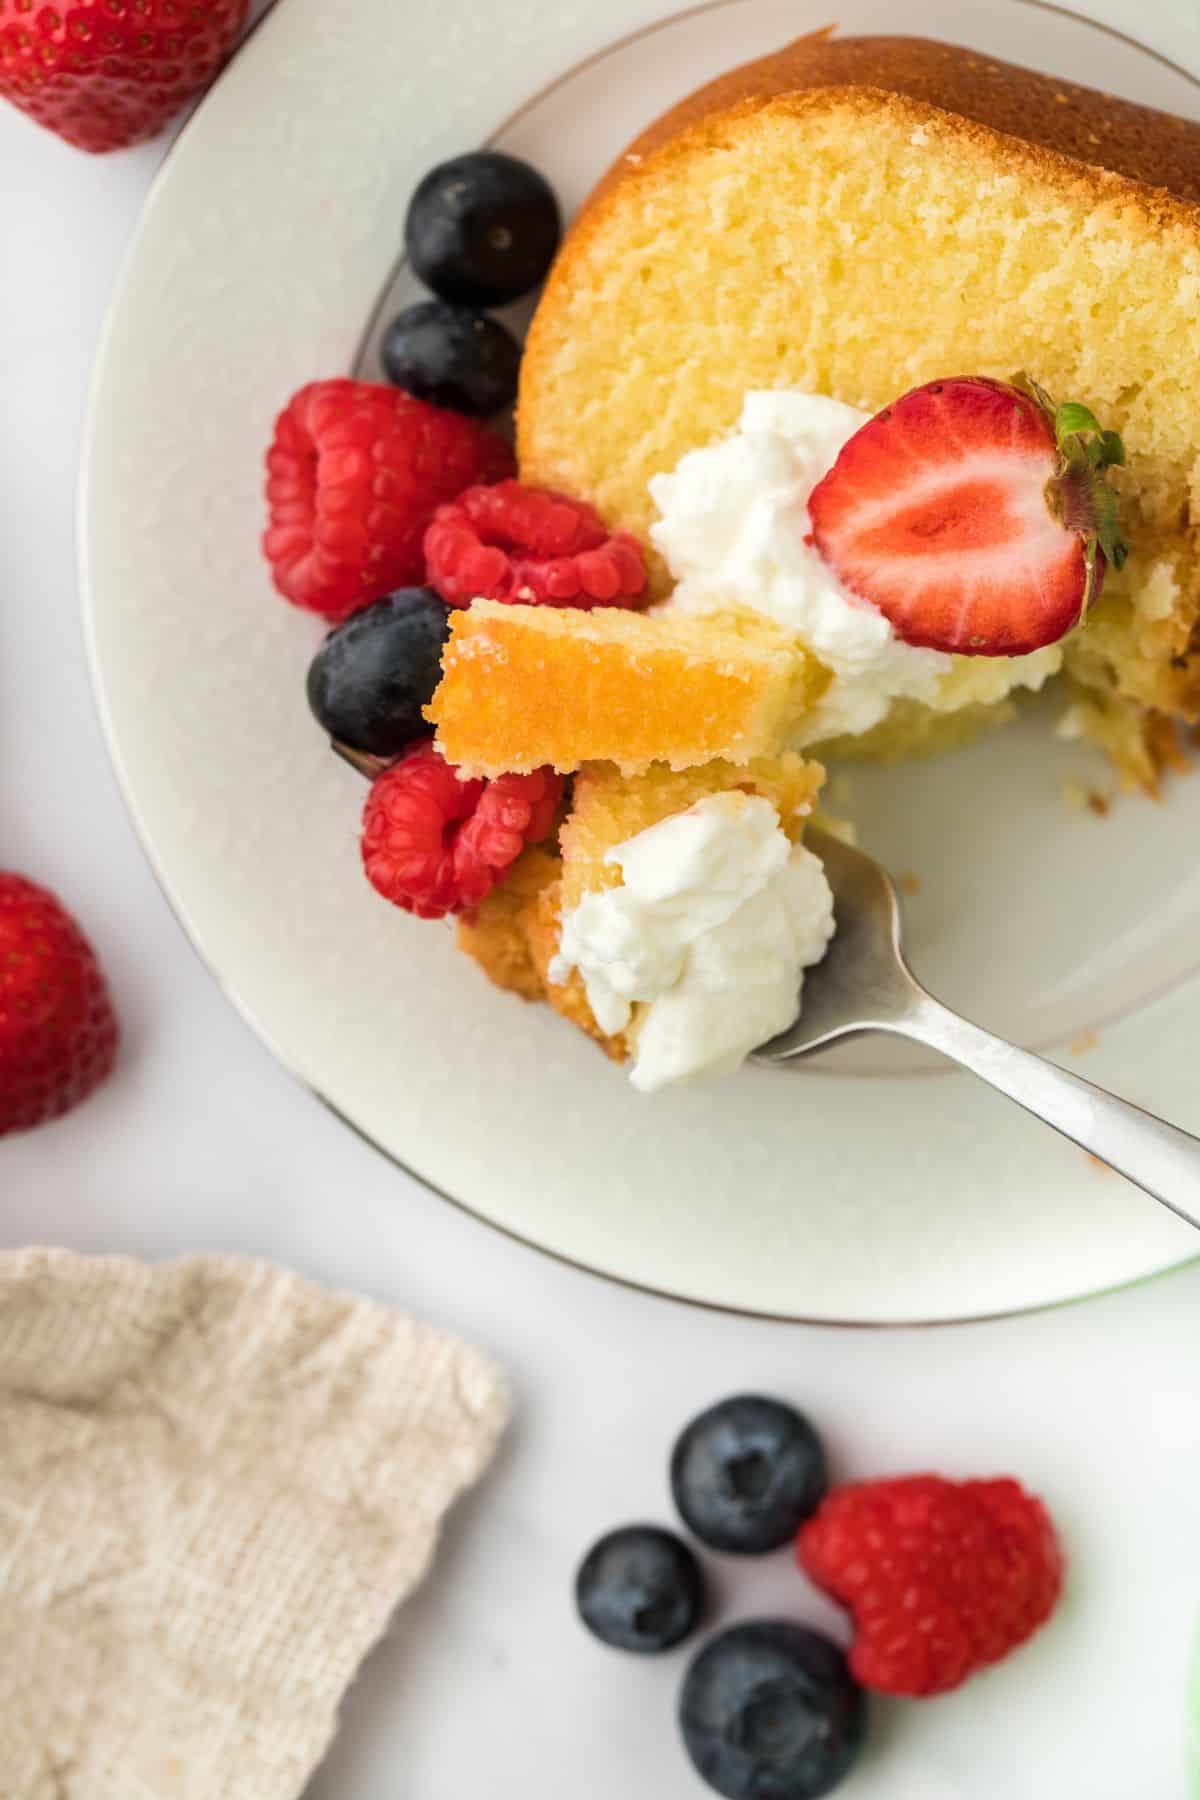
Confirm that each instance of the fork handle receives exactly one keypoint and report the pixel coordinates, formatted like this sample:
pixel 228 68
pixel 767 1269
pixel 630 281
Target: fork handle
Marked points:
pixel 1159 1158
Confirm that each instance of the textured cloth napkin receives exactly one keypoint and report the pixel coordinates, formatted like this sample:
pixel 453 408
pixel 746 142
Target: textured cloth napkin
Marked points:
pixel 216 1481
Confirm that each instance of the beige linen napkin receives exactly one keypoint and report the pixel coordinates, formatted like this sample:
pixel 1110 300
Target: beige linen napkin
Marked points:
pixel 216 1481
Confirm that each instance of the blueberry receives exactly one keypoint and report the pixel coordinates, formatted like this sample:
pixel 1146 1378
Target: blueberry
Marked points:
pixel 482 229
pixel 452 356
pixel 747 1473
pixel 769 1711
pixel 371 677
pixel 639 1589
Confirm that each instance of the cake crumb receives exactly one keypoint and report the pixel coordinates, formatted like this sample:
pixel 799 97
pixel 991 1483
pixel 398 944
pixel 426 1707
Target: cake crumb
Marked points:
pixel 1086 799
pixel 909 883
pixel 1087 1040
pixel 1098 1162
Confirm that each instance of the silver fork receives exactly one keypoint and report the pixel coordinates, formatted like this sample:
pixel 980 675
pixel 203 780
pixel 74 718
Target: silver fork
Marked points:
pixel 864 984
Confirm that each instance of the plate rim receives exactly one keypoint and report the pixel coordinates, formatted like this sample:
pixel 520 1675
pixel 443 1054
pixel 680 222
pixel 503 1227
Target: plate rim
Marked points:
pixel 141 829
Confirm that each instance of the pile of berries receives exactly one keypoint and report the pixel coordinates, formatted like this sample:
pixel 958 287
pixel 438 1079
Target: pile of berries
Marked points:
pixel 432 843
pixel 387 506
pixel 940 1578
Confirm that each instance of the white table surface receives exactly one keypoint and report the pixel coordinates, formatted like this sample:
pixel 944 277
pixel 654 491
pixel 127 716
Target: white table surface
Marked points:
pixel 485 1685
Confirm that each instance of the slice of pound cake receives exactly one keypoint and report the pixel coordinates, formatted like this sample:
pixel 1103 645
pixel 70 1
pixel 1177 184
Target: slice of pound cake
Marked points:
pixel 850 218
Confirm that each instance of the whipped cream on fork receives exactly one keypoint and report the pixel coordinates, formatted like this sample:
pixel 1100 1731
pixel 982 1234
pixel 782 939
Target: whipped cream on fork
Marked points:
pixel 699 953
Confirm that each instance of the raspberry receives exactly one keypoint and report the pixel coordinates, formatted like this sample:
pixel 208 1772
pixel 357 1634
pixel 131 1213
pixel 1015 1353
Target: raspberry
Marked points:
pixel 355 472
pixel 435 845
pixel 942 1577
pixel 509 542
pixel 58 1032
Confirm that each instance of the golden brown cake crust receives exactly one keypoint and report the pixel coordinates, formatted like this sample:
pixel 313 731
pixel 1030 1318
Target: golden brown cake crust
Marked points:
pixel 1152 159
pixel 1137 142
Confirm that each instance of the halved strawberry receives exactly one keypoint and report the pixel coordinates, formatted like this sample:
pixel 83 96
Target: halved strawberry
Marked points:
pixel 975 514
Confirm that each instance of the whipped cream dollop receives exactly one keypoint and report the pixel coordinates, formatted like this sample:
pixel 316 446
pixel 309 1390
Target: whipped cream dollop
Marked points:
pixel 733 527
pixel 715 920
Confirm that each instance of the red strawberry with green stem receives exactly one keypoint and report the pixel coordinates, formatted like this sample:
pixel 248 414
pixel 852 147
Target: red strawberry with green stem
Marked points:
pixel 975 514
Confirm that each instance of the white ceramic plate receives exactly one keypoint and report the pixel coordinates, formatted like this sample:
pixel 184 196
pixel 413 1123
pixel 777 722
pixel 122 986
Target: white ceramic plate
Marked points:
pixel 874 1189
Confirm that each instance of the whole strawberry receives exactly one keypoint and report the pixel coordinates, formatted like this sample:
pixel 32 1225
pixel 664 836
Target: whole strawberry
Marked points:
pixel 58 1031
pixel 107 73
pixel 942 1577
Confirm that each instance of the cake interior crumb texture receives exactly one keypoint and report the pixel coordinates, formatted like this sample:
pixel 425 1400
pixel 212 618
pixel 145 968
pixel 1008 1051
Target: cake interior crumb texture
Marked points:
pixel 609 809
pixel 792 227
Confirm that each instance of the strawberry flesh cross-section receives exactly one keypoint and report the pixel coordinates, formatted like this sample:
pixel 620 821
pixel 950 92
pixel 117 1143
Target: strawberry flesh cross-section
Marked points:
pixel 974 514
